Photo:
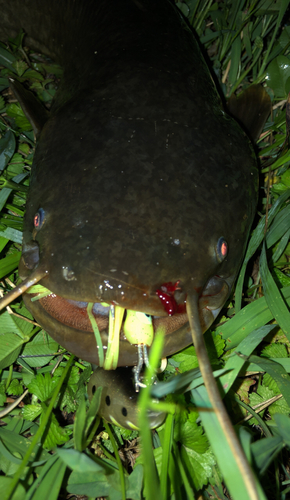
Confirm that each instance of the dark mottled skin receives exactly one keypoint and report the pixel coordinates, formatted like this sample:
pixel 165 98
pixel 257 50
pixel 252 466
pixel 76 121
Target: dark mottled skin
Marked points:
pixel 138 169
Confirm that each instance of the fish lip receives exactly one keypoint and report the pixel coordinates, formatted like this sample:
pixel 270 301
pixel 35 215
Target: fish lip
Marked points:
pixel 83 343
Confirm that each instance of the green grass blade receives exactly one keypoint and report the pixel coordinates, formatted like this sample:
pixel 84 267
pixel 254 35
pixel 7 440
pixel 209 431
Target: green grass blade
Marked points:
pixel 273 297
pixel 39 432
pixel 225 458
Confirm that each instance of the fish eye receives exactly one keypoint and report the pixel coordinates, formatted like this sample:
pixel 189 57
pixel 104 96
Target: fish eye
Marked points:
pixel 39 219
pixel 124 411
pixel 108 400
pixel 221 249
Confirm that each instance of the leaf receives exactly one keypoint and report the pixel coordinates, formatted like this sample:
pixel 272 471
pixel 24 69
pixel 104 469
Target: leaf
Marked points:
pixel 135 483
pixel 187 359
pixel 277 75
pixel 283 427
pixel 250 318
pixel 7 59
pixel 14 111
pixel 235 362
pixel 43 386
pixel 7 146
pixel 200 466
pixel 49 483
pixel 273 297
pixel 56 434
pixel 265 450
pixel 5 482
pixel 16 444
pixel 43 344
pixel 79 427
pixel 9 264
pixel 191 436
pixel 254 243
pixel 235 60
pixel 10 347
pixel 20 67
pixel 88 483
pixel 279 226
pixel 10 323
pixel 80 462
pixel 277 372
pixel 275 351
pixel 30 412
pixel 15 388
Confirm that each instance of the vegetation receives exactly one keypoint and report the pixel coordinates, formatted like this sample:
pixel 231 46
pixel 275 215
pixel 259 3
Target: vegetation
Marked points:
pixel 55 443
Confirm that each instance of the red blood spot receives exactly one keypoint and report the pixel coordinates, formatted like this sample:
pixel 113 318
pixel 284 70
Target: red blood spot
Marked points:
pixel 166 295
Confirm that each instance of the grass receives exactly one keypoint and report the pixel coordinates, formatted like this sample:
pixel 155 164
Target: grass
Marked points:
pixel 248 345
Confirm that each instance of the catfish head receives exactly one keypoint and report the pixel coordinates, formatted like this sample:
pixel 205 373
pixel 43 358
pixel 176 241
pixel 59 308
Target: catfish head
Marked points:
pixel 136 214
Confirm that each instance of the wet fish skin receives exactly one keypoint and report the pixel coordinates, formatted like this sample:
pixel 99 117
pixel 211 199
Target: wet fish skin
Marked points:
pixel 139 170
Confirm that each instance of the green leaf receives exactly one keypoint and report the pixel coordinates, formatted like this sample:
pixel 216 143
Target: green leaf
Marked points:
pixel 283 427
pixel 12 234
pixel 275 351
pixel 14 111
pixel 80 462
pixel 14 444
pixel 10 347
pixel 265 450
pixel 88 483
pixel 277 372
pixel 7 146
pixel 43 386
pixel 224 455
pixel 43 344
pixel 201 465
pixel 273 297
pixel 263 395
pixel 48 484
pixel 9 264
pixel 56 434
pixel 134 483
pixel 79 427
pixel 5 482
pixel 254 243
pixel 7 59
pixel 235 362
pixel 11 323
pixel 235 60
pixel 277 75
pixel 191 436
pixel 250 318
pixel 279 226
pixel 15 388
pixel 30 412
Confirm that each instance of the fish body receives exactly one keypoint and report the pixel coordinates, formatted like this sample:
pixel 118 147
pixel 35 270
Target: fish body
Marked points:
pixel 138 174
pixel 143 190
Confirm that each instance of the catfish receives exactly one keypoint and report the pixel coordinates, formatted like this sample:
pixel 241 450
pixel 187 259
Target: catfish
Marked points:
pixel 143 189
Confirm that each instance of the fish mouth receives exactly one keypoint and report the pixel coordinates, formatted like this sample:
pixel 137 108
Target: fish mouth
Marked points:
pixel 68 322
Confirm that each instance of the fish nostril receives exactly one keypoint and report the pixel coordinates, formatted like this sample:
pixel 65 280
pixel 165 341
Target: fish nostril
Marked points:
pixel 124 412
pixel 30 255
pixel 108 400
pixel 93 389
pixel 68 273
